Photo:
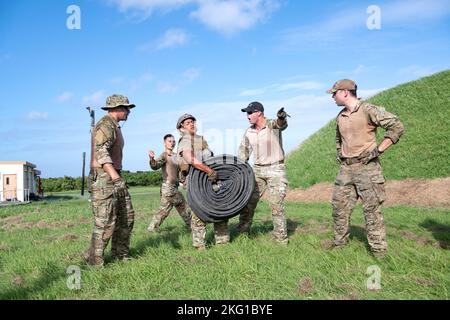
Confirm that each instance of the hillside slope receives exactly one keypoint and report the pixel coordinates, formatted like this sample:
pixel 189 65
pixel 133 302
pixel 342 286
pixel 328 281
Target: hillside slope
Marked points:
pixel 422 152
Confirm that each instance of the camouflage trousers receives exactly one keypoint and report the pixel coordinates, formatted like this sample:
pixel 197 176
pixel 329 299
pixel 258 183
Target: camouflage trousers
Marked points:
pixel 274 179
pixel 170 197
pixel 198 227
pixel 366 182
pixel 113 218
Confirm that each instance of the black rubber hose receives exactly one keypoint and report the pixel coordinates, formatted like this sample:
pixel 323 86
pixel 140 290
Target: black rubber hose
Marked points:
pixel 226 198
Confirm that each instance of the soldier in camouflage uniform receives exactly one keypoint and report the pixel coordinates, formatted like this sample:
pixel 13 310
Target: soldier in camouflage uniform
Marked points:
pixel 170 195
pixel 192 150
pixel 360 174
pixel 264 139
pixel 111 202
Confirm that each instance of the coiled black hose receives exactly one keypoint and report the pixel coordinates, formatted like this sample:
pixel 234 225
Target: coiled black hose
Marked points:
pixel 226 198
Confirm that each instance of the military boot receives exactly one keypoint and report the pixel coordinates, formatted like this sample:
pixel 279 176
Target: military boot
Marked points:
pixel 91 259
pixel 94 255
pixel 379 254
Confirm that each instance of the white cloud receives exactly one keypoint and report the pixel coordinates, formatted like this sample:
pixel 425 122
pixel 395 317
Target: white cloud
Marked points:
pixel 230 17
pixel 415 71
pixel 146 77
pixel 150 4
pixel 414 11
pixel 116 80
pixel 187 77
pixel 96 98
pixel 356 72
pixel 191 74
pixel 329 31
pixel 147 7
pixel 65 96
pixel 252 92
pixel 138 82
pixel 172 38
pixel 225 16
pixel 359 69
pixel 366 94
pixel 167 87
pixel 36 115
pixel 303 85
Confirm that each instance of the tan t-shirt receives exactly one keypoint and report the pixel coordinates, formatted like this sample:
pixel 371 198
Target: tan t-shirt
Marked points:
pixel 266 145
pixel 168 163
pixel 356 130
pixel 192 143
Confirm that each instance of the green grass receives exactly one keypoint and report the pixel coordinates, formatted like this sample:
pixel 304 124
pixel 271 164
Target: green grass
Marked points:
pixel 423 151
pixel 34 260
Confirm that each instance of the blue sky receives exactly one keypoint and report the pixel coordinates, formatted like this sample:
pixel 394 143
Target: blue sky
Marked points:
pixel 205 57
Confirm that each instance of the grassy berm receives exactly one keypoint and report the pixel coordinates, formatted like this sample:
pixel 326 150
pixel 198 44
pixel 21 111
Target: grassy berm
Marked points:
pixel 422 152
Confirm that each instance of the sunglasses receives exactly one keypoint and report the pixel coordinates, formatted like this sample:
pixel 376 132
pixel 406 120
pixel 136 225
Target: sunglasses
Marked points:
pixel 251 112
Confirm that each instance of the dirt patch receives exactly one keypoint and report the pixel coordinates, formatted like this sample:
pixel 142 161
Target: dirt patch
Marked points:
pixel 305 287
pixel 52 225
pixel 440 229
pixel 18 282
pixel 25 225
pixel 12 219
pixel 16 223
pixel 352 295
pixel 327 244
pixel 425 282
pixel 188 260
pixel 414 237
pixel 313 227
pixel 70 237
pixel 433 193
pixel 4 247
pixel 442 244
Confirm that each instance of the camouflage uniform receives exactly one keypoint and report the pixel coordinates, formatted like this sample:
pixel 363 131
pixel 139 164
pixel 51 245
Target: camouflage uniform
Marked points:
pixel 360 176
pixel 199 146
pixel 170 195
pixel 113 215
pixel 270 173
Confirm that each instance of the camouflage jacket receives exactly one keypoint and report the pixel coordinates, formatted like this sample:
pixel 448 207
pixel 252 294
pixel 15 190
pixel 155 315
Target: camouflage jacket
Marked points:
pixel 356 130
pixel 108 143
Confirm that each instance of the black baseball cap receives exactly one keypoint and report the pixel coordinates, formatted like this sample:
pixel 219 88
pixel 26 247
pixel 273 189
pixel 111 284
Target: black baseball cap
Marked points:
pixel 253 107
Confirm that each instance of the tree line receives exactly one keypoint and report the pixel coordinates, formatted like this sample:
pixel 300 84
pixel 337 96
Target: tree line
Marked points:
pixel 67 183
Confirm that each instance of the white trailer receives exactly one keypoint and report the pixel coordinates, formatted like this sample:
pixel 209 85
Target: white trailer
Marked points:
pixel 18 181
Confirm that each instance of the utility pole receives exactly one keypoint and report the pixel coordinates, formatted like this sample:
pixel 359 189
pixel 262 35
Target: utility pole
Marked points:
pixel 82 174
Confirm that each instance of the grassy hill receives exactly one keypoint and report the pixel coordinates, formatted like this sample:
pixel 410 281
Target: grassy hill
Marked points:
pixel 422 152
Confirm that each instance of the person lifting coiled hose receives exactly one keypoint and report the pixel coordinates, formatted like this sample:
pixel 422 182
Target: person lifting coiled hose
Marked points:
pixel 224 199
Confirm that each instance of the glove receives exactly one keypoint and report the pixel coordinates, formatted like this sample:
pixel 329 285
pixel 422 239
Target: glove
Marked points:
pixel 369 156
pixel 212 176
pixel 120 188
pixel 339 157
pixel 281 114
